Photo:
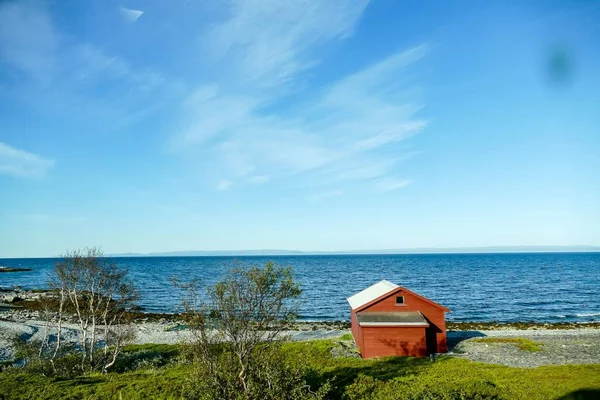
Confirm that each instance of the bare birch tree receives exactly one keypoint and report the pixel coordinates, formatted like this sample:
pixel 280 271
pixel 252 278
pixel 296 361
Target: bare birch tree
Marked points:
pixel 99 294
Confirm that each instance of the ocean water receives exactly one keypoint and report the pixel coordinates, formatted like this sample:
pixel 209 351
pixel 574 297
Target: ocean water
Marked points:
pixel 552 287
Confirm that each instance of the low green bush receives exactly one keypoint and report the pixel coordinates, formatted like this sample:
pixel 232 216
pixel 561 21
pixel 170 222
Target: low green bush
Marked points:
pixel 146 356
pixel 272 375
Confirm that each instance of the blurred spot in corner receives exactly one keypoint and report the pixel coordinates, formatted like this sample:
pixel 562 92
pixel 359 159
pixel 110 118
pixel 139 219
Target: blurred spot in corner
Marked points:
pixel 560 65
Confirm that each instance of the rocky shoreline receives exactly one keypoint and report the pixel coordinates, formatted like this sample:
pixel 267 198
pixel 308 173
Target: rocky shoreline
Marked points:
pixel 20 304
pixel 21 314
pixel 9 269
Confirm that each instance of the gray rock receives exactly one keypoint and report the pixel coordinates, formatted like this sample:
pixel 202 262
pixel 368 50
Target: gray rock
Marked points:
pixel 10 299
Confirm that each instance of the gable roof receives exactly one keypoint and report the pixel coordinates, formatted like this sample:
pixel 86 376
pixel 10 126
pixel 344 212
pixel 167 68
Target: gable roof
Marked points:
pixel 380 291
pixel 371 293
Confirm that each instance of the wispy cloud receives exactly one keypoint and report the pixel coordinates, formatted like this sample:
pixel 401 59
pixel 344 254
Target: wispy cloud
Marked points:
pixel 62 75
pixel 223 185
pixel 129 14
pixel 22 163
pixel 91 65
pixel 28 40
pixel 389 184
pixel 351 130
pixel 267 42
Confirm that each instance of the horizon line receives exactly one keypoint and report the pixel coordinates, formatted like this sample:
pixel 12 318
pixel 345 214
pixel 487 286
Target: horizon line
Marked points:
pixel 400 251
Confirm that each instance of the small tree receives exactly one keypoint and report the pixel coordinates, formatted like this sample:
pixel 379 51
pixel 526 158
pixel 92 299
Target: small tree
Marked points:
pixel 99 294
pixel 237 335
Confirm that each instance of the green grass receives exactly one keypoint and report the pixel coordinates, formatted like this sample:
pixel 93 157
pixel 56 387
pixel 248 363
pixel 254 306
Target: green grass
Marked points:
pixel 521 343
pixel 167 350
pixel 346 337
pixel 352 378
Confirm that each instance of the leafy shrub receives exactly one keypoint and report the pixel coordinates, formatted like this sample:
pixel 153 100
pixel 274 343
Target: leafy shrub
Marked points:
pixel 236 348
pixel 142 359
pixel 347 336
pixel 146 356
pixel 272 376
pixel 65 365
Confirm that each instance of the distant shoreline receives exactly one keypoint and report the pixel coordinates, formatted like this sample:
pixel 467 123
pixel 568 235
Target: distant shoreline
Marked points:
pixel 391 252
pixel 8 269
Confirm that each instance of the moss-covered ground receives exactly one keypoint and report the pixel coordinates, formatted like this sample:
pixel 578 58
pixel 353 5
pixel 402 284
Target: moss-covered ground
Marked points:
pixel 153 372
pixel 522 343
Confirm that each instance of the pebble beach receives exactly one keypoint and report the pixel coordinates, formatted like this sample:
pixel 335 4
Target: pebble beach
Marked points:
pixel 561 343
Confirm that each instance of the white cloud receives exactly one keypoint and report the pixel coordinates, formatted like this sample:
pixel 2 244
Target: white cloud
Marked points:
pixel 62 75
pixel 350 131
pixel 90 64
pixel 210 113
pixel 372 79
pixel 389 184
pixel 28 40
pixel 223 185
pixel 130 15
pixel 267 41
pixel 21 163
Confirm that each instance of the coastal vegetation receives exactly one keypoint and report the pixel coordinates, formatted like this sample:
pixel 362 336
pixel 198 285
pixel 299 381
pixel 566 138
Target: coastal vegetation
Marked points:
pixel 237 349
pixel 163 372
pixel 97 294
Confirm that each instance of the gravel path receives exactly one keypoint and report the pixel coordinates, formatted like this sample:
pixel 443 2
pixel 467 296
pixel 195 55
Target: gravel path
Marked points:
pixel 146 332
pixel 576 346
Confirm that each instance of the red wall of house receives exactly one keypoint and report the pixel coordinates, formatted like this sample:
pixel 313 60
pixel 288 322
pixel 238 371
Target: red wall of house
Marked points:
pixel 393 341
pixel 354 326
pixel 434 315
pixel 356 331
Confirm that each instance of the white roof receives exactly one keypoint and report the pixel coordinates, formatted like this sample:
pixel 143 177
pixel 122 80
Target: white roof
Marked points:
pixel 371 293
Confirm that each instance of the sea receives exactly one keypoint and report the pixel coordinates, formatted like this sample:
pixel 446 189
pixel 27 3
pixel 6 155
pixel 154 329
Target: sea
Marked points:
pixel 507 287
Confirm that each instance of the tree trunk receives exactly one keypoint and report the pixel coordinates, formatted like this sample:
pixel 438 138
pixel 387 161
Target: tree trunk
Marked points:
pixel 59 328
pixel 242 375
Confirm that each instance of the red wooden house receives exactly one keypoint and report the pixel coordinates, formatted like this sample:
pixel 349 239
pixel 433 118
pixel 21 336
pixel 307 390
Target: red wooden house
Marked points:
pixel 389 320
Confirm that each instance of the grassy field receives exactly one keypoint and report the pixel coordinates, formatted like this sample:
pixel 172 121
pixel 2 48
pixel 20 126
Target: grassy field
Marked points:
pixel 152 372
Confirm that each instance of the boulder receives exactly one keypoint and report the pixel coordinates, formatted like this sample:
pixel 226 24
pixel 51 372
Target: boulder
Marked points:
pixel 12 298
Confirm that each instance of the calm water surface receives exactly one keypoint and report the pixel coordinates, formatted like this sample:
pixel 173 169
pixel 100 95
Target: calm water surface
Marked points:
pixel 476 287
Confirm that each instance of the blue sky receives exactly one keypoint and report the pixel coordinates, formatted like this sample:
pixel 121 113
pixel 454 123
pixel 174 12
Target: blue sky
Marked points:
pixel 144 126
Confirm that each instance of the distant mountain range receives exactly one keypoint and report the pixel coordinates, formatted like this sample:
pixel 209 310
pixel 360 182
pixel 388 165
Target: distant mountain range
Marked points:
pixel 423 250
